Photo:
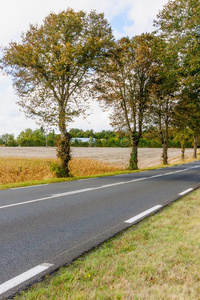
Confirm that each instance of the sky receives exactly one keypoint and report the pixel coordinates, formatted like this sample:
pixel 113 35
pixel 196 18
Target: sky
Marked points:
pixel 127 18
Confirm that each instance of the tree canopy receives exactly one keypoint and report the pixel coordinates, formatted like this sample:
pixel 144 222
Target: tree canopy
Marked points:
pixel 178 24
pixel 124 84
pixel 52 66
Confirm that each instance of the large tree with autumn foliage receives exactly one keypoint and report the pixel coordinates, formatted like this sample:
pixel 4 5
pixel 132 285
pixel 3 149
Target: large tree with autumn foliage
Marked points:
pixel 178 23
pixel 163 91
pixel 52 68
pixel 123 84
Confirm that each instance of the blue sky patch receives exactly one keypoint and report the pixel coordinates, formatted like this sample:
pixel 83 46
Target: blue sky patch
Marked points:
pixel 118 22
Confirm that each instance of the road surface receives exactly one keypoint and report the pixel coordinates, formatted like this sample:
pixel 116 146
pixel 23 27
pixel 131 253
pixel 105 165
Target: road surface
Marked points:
pixel 47 226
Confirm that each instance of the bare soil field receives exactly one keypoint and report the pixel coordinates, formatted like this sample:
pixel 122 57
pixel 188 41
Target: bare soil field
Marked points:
pixel 119 156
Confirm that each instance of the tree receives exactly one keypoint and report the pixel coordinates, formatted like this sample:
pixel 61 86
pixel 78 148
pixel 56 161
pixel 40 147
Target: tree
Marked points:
pixel 183 136
pixel 163 91
pixel 124 85
pixel 25 138
pixel 178 24
pixel 188 112
pixel 8 140
pixel 183 133
pixel 52 68
pixel 51 139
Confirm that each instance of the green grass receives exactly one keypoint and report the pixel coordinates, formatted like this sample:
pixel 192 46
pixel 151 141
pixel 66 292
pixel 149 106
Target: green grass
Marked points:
pixel 157 259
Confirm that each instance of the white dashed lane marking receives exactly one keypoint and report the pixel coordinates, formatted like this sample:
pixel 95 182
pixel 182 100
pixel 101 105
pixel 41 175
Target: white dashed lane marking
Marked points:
pixel 186 192
pixel 143 214
pixel 10 284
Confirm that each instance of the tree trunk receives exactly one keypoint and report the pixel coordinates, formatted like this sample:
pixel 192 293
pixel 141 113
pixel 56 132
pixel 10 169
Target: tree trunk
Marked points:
pixel 183 151
pixel 195 145
pixel 165 154
pixel 164 138
pixel 63 152
pixel 63 149
pixel 133 162
pixel 164 141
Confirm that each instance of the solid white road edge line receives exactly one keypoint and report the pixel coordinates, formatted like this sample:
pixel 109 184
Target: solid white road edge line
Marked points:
pixel 8 285
pixel 92 189
pixel 186 191
pixel 143 214
pixel 30 186
pixel 86 179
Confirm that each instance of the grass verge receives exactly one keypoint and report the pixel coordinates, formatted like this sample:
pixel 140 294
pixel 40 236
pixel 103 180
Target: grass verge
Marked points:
pixel 156 259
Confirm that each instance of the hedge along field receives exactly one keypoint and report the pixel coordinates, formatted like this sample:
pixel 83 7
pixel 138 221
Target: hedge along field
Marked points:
pixel 15 169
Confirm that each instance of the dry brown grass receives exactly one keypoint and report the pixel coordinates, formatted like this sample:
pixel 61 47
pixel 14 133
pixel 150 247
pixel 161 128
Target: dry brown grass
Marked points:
pixel 20 170
pixel 86 167
pixel 26 168
pixel 15 169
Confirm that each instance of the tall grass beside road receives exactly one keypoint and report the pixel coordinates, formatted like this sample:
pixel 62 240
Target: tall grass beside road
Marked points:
pixel 13 170
pixel 155 260
pixel 86 167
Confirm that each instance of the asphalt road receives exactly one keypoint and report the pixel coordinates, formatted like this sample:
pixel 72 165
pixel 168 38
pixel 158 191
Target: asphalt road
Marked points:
pixel 47 226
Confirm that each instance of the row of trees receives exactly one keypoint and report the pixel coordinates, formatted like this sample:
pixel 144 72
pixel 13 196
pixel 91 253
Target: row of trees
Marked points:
pixel 104 138
pixel 151 79
pixel 28 138
pixel 150 138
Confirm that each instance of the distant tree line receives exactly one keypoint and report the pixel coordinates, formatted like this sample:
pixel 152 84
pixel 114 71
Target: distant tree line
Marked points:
pixel 104 138
pixel 150 79
pixel 29 138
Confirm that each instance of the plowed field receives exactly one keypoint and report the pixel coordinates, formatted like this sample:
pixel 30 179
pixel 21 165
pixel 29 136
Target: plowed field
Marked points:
pixel 119 156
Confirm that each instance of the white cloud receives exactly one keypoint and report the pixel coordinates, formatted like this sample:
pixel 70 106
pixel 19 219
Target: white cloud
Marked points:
pixel 11 120
pixel 97 120
pixel 128 17
pixel 15 16
pixel 143 12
